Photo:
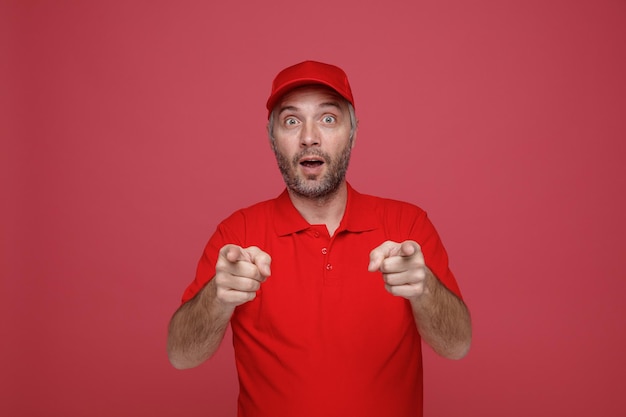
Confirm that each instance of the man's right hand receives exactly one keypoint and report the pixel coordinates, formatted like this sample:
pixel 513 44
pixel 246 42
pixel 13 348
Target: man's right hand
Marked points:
pixel 239 273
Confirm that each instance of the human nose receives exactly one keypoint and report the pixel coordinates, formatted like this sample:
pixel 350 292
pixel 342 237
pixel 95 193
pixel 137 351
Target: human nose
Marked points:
pixel 309 135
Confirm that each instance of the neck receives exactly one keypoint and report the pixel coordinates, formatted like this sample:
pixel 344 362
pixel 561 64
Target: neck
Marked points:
pixel 327 210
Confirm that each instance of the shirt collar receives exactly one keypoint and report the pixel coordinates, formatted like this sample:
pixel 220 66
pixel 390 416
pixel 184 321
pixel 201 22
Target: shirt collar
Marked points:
pixel 358 217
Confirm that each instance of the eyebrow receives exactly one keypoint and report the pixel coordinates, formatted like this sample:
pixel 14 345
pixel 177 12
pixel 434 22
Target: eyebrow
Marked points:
pixel 334 104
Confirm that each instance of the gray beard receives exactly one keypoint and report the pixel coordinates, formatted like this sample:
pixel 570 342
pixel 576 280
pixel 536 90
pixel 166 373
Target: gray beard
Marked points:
pixel 330 182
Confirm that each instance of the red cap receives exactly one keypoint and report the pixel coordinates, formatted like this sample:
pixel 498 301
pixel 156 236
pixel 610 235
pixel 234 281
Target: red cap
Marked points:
pixel 307 73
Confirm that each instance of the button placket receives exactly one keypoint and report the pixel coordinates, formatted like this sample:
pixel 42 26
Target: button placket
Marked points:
pixel 326 252
pixel 328 266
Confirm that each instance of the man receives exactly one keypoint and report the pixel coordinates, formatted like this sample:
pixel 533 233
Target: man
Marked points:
pixel 328 291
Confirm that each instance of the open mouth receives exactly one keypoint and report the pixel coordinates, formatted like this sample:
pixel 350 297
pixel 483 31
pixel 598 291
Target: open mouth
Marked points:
pixel 311 162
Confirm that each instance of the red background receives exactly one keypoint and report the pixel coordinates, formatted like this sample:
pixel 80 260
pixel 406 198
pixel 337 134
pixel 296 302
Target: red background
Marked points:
pixel 129 129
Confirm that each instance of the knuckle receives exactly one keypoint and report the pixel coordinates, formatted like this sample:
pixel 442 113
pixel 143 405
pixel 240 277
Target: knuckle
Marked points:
pixel 222 294
pixel 244 270
pixel 421 273
pixel 251 285
pixel 220 280
pixel 220 265
pixel 385 265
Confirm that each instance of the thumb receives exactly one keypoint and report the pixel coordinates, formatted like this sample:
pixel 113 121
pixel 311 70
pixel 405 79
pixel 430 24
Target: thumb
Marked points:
pixel 376 259
pixel 263 263
pixel 262 260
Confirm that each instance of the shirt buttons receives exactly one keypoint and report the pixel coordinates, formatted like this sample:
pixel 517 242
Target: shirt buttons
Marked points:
pixel 324 251
pixel 316 234
pixel 329 267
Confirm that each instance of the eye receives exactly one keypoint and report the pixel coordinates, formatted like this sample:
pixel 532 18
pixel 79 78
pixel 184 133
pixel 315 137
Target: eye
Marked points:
pixel 329 119
pixel 290 121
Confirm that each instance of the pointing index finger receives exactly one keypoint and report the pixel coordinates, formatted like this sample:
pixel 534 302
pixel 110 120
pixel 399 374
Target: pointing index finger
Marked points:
pixel 408 248
pixel 234 253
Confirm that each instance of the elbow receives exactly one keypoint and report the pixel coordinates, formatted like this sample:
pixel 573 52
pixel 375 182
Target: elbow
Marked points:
pixel 177 362
pixel 180 362
pixel 458 350
pixel 180 359
pixel 461 343
pixel 176 359
pixel 181 365
pixel 454 349
pixel 454 353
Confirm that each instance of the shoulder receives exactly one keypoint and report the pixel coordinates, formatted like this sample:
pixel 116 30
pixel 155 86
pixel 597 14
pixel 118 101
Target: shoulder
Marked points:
pixel 242 225
pixel 388 207
pixel 251 213
pixel 400 220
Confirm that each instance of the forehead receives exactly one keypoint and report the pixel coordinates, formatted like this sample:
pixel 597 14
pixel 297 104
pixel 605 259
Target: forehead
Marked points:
pixel 311 94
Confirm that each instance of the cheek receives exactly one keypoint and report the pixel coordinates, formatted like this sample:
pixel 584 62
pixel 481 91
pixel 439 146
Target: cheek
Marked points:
pixel 285 145
pixel 283 154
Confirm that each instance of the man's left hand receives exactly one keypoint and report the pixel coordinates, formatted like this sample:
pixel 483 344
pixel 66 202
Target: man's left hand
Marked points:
pixel 403 268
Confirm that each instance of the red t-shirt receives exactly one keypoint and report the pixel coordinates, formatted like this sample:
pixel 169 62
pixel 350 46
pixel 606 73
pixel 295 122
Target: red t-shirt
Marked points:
pixel 323 337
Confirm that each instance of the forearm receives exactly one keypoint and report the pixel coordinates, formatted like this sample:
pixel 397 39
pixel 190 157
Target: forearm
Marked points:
pixel 442 319
pixel 197 329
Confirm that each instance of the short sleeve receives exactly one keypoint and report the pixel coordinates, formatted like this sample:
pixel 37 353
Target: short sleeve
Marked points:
pixel 227 232
pixel 435 255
